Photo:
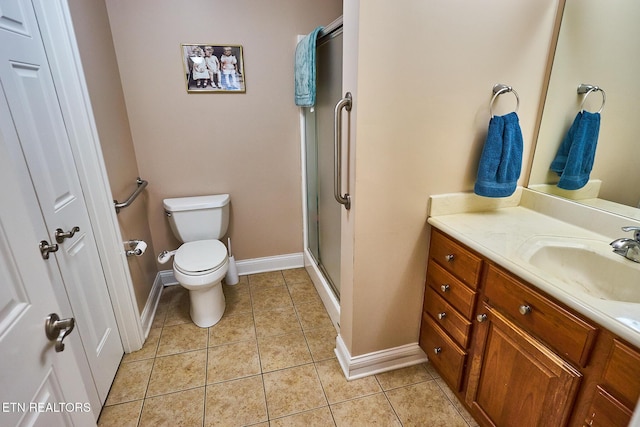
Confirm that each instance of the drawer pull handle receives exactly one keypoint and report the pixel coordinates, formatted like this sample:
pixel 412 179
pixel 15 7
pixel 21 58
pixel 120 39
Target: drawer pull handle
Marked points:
pixel 437 350
pixel 449 257
pixel 481 318
pixel 442 315
pixel 445 288
pixel 524 309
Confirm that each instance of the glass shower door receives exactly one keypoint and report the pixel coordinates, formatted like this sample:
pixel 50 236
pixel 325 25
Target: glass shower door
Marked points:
pixel 324 213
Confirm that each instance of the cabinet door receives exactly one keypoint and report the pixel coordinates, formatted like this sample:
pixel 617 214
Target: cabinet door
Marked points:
pixel 623 364
pixel 607 411
pixel 515 380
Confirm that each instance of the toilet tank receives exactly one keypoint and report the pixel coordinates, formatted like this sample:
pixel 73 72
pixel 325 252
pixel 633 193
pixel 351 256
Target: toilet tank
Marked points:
pixel 199 217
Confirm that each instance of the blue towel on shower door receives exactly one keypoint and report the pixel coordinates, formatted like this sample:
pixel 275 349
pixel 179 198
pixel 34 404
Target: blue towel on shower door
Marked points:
pixel 574 159
pixel 305 70
pixel 501 159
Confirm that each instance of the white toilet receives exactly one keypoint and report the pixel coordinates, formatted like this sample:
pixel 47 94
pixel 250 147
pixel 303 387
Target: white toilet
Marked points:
pixel 201 262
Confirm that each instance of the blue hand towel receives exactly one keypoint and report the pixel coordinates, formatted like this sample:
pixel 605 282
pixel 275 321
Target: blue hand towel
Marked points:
pixel 305 70
pixel 574 159
pixel 501 159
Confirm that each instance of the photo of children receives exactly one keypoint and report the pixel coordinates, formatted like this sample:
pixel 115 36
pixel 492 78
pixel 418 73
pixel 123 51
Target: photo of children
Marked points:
pixel 213 68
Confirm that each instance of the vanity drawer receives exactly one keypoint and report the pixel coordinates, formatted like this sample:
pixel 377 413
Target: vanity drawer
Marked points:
pixel 455 258
pixel 570 336
pixel 623 364
pixel 451 289
pixel 447 317
pixel 443 353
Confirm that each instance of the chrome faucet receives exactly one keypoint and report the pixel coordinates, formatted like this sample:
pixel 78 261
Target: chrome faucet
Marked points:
pixel 626 247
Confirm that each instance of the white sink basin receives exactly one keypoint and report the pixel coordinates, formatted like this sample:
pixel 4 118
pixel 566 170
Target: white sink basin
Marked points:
pixel 584 265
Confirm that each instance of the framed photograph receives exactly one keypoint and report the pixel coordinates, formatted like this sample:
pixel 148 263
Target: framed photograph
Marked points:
pixel 213 68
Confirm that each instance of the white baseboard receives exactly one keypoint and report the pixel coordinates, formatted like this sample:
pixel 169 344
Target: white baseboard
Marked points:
pixel 167 278
pixel 272 263
pixel 250 266
pixel 149 311
pixel 379 361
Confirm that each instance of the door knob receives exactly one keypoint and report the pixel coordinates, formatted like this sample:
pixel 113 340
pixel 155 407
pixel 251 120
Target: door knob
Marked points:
pixel 46 249
pixel 61 235
pixel 57 329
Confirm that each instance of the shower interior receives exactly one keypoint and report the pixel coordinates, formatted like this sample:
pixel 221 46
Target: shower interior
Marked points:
pixel 322 213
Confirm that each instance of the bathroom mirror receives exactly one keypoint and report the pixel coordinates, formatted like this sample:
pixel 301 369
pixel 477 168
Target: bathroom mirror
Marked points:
pixel 598 44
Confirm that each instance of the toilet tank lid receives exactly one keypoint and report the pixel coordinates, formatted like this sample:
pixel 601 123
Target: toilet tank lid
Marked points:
pixel 196 202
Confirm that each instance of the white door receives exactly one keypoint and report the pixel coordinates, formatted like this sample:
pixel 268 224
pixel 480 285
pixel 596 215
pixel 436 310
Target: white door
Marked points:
pixel 34 378
pixel 44 145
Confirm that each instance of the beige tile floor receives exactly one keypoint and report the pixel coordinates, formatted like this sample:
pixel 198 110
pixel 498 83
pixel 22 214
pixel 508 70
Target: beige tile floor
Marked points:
pixel 268 362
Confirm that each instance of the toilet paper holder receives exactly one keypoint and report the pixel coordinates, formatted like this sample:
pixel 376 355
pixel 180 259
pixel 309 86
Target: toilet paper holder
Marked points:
pixel 136 247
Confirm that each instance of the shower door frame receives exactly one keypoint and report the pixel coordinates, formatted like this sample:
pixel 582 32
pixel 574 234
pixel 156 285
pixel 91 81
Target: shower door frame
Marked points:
pixel 318 276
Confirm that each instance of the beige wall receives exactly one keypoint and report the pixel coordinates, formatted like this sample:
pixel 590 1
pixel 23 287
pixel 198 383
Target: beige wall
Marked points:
pixel 422 84
pixel 93 34
pixel 247 145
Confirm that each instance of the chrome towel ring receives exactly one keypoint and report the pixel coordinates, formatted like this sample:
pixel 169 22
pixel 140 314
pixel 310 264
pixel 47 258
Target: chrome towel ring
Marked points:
pixel 498 90
pixel 587 89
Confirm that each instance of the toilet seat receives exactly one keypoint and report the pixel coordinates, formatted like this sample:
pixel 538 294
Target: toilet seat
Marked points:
pixel 200 257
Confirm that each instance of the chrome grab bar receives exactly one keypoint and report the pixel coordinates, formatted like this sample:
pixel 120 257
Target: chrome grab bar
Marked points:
pixel 337 139
pixel 141 186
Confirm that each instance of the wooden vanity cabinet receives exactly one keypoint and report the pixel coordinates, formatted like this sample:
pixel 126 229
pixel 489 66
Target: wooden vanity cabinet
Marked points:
pixel 515 356
pixel 453 275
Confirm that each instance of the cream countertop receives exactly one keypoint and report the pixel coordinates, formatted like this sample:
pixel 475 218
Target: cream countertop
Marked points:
pixel 498 234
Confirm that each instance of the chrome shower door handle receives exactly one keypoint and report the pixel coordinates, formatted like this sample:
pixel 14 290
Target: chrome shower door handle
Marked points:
pixel 57 329
pixel 344 103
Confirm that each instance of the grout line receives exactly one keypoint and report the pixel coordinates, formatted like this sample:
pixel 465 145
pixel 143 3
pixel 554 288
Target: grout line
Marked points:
pixel 453 404
pixel 206 376
pixel 204 404
pixel 315 367
pixel 393 408
pixel 264 393
pixel 155 355
pixel 255 333
pixel 140 414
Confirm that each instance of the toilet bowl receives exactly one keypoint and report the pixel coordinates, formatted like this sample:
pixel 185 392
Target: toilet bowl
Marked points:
pixel 202 261
pixel 200 267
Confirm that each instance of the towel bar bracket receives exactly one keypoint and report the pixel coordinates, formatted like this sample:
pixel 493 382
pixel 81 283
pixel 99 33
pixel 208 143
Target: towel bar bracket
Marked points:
pixel 585 88
pixel 499 88
pixel 142 184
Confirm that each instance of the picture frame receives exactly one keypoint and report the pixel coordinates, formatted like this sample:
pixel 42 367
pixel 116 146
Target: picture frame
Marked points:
pixel 213 68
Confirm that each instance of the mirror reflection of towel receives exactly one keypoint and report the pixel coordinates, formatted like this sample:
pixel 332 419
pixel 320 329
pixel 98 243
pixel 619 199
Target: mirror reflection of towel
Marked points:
pixel 501 159
pixel 574 160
